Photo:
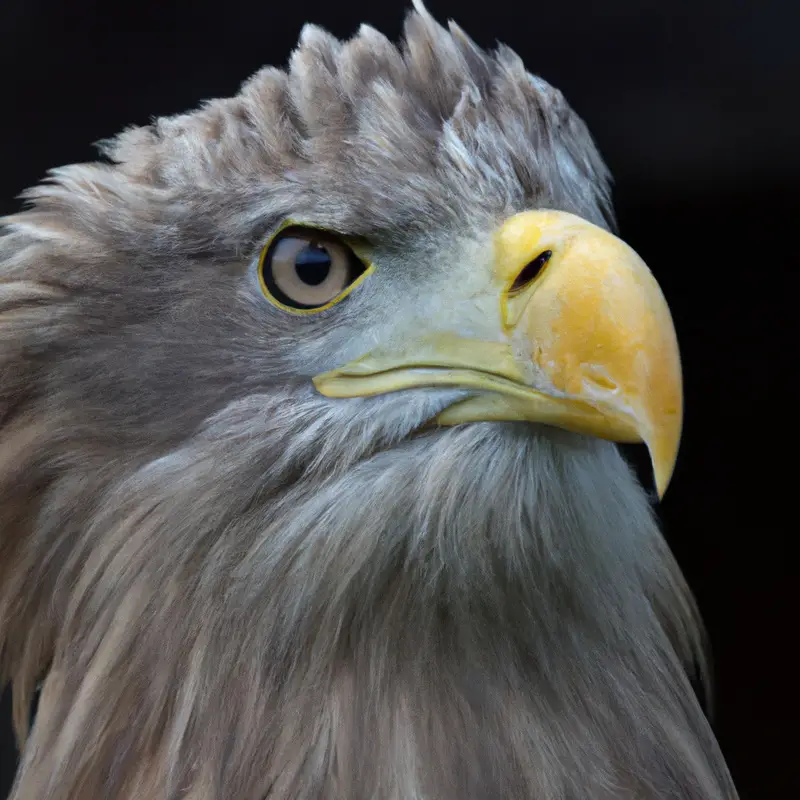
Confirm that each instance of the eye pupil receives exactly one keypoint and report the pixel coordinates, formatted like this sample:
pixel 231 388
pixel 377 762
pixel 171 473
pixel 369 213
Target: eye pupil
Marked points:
pixel 313 264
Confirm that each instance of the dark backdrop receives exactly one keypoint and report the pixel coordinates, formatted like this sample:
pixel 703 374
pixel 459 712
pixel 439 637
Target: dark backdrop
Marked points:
pixel 693 104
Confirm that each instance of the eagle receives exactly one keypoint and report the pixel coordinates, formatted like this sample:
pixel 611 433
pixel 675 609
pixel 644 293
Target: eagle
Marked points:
pixel 309 483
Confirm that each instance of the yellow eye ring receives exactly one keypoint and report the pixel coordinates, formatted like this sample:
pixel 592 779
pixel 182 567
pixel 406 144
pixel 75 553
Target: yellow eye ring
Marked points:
pixel 306 270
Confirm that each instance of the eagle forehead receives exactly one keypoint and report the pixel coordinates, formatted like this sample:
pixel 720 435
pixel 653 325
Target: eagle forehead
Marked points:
pixel 435 106
pixel 387 141
pixel 424 131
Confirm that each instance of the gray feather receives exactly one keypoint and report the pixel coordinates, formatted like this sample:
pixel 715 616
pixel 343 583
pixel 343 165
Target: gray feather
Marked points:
pixel 234 587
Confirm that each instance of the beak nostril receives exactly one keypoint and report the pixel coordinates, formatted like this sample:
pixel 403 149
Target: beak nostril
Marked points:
pixel 530 271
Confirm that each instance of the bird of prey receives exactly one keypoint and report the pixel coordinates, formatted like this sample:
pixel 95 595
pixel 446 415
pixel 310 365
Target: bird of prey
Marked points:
pixel 308 476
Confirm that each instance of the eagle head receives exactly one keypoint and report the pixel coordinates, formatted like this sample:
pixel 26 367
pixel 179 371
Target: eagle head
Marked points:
pixel 308 483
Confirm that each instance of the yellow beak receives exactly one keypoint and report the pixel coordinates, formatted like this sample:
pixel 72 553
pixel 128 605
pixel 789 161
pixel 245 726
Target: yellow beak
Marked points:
pixel 587 344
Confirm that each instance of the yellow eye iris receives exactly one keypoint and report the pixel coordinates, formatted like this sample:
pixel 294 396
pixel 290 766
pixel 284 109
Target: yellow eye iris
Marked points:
pixel 304 271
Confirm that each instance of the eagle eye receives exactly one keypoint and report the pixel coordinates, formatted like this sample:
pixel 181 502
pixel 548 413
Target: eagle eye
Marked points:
pixel 304 270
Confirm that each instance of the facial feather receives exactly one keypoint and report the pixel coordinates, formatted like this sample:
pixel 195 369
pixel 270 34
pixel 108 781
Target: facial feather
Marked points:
pixel 234 587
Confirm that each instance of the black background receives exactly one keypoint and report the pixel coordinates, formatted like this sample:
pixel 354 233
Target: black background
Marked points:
pixel 693 105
